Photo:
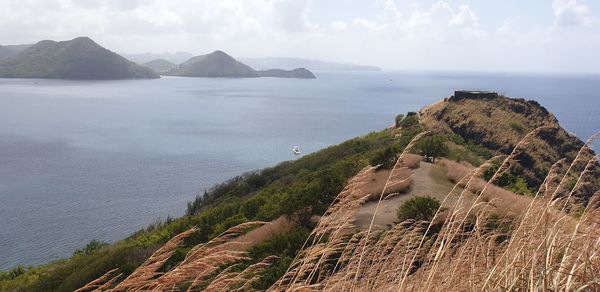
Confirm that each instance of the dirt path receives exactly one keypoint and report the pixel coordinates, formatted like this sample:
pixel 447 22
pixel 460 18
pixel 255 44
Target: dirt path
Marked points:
pixel 428 180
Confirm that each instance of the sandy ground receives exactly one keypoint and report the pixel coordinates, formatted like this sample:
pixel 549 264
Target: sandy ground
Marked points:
pixel 425 183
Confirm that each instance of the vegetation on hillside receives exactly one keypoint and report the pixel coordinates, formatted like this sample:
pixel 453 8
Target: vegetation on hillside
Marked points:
pixel 432 249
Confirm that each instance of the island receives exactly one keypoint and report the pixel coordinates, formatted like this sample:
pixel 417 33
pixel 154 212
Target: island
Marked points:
pixel 301 73
pixel 79 58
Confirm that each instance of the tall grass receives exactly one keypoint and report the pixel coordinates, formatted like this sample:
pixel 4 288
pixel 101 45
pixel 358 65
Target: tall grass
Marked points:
pixel 474 245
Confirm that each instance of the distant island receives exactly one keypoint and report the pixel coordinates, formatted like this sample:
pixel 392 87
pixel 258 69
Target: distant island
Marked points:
pixel 160 66
pixel 301 73
pixel 220 64
pixel 291 63
pixel 79 58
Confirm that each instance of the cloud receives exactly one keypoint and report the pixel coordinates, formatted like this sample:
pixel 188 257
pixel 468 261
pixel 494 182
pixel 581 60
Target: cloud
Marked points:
pixel 569 13
pixel 440 22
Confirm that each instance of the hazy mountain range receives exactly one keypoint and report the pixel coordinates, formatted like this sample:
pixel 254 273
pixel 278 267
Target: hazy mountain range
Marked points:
pixel 267 63
pixel 291 63
pixel 160 65
pixel 82 58
pixel 175 58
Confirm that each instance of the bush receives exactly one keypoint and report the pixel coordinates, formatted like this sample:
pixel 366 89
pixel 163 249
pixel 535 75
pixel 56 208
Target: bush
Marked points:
pixel 433 147
pixel 91 248
pixel 509 180
pixel 517 127
pixel 418 208
pixel 12 273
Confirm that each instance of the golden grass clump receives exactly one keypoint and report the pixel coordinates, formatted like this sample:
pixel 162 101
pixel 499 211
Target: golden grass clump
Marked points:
pixel 201 264
pixel 411 161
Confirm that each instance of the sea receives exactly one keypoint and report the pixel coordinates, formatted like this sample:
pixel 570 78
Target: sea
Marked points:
pixel 85 160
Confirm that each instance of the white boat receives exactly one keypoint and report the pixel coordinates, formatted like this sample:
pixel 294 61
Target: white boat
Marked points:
pixel 296 150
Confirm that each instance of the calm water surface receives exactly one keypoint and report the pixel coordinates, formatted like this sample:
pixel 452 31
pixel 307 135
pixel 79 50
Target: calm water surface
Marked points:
pixel 86 160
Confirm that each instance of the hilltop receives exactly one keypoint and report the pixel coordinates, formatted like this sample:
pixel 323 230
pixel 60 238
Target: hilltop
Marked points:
pixel 378 213
pixel 79 58
pixel 499 123
pixel 215 64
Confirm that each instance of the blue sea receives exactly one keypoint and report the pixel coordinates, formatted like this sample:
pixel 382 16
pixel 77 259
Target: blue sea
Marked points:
pixel 83 160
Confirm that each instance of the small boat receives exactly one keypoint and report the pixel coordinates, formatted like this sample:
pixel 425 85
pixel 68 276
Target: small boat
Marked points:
pixel 296 150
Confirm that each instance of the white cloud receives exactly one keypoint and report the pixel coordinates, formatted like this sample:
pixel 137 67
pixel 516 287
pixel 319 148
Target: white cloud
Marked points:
pixel 338 25
pixel 572 13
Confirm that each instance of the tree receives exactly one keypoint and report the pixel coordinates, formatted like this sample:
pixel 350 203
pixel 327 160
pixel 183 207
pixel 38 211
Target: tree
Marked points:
pixel 399 119
pixel 418 208
pixel 433 147
pixel 386 157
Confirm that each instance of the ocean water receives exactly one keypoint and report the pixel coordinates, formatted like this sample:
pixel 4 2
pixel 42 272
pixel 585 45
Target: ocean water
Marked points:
pixel 82 160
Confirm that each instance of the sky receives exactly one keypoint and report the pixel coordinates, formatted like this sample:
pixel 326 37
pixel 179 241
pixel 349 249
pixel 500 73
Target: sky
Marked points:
pixel 467 35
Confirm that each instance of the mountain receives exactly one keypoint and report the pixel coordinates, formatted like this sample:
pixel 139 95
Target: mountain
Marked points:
pixel 160 66
pixel 292 63
pixel 295 73
pixel 80 58
pixel 176 58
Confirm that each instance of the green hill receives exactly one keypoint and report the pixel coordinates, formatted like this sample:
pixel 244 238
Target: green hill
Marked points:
pixel 80 58
pixel 305 189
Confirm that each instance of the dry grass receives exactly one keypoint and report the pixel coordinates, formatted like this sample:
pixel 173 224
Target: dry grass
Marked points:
pixel 102 283
pixel 411 161
pixel 456 171
pixel 489 240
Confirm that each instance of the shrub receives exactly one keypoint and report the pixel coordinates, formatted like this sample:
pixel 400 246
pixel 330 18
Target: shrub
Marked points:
pixel 418 208
pixel 12 273
pixel 433 147
pixel 91 247
pixel 517 127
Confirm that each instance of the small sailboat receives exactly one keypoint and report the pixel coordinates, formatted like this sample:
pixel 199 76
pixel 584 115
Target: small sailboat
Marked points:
pixel 296 150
